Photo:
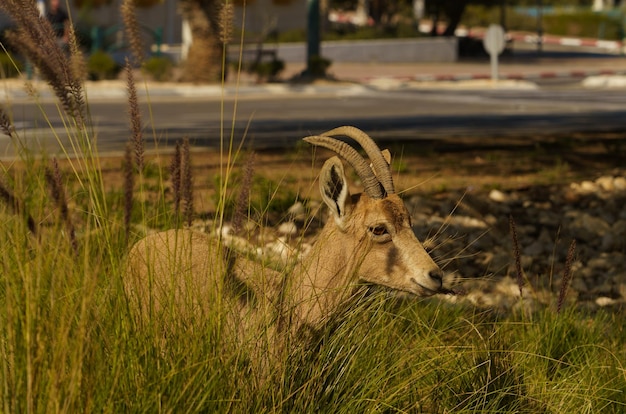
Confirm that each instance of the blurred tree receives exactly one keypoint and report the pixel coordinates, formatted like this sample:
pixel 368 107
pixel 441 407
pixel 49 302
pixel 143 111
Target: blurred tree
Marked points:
pixel 97 3
pixel 453 11
pixel 206 52
pixel 208 23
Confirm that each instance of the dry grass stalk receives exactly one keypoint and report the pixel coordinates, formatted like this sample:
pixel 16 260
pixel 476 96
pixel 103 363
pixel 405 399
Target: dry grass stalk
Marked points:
pixel 17 206
pixel 6 126
pixel 57 189
pixel 131 27
pixel 187 182
pixel 78 64
pixel 175 171
pixel 135 118
pixel 227 15
pixel 519 275
pixel 567 276
pixel 129 187
pixel 243 198
pixel 35 38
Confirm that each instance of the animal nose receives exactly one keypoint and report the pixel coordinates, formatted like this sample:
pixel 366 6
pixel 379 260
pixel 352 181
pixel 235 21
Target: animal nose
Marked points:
pixel 437 276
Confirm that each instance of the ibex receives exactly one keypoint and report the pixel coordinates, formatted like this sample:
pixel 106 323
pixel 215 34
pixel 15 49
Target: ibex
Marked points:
pixel 369 239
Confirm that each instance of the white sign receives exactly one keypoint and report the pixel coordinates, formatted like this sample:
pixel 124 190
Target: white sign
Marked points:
pixel 494 39
pixel 494 42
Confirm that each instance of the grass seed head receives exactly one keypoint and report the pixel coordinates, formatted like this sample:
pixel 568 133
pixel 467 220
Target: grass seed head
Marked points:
pixel 135 118
pixel 567 276
pixel 519 275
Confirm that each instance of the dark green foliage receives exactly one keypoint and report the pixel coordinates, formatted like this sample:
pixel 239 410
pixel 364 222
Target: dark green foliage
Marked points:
pixel 158 68
pixel 266 200
pixel 101 66
pixel 580 22
pixel 268 70
pixel 10 67
pixel 318 66
pixel 584 24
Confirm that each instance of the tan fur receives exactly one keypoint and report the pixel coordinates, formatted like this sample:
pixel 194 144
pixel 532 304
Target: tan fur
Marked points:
pixel 369 240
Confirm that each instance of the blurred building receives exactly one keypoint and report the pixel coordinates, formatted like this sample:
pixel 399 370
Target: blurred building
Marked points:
pixel 164 20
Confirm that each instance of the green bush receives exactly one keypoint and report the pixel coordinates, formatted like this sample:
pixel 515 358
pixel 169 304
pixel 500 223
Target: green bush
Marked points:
pixel 318 65
pixel 291 36
pixel 9 66
pixel 267 200
pixel 268 70
pixel 101 65
pixel 344 32
pixel 159 68
pixel 583 24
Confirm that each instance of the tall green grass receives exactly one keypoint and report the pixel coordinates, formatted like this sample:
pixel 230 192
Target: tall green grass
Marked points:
pixel 69 342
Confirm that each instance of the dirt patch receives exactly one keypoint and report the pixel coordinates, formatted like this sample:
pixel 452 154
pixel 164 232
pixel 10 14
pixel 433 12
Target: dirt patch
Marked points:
pixel 461 194
pixel 419 167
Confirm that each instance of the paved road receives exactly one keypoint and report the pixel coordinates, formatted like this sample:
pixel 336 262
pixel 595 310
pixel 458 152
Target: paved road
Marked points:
pixel 281 120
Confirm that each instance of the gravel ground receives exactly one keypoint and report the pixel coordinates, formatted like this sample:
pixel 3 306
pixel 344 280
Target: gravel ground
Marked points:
pixel 469 234
pixel 462 202
pixel 475 242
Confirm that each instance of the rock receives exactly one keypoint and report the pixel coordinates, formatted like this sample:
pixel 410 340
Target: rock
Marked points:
pixel 508 287
pixel 465 221
pixel 500 260
pixel 578 284
pixel 297 211
pixel 600 262
pixel 619 183
pixel 588 187
pixel 608 242
pixel 602 289
pixel 535 249
pixel 548 218
pixel 544 244
pixel 603 301
pixel 498 196
pixel 526 261
pixel 288 228
pixel 587 227
pixel 606 183
pixel 618 234
pixel 490 219
pixel 279 248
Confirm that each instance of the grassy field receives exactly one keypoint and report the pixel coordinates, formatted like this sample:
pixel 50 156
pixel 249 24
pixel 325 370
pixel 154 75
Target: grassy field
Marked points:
pixel 69 341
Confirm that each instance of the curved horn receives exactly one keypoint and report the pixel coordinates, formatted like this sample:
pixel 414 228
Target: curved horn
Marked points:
pixel 371 184
pixel 380 165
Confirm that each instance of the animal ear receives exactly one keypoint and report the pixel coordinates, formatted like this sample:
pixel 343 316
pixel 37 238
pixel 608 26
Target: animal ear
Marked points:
pixel 334 188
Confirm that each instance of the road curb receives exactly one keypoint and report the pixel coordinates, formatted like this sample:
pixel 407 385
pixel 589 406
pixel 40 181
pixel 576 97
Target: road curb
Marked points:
pixel 513 76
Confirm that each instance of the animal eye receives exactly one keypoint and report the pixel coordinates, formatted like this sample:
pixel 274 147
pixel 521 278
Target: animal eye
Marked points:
pixel 379 230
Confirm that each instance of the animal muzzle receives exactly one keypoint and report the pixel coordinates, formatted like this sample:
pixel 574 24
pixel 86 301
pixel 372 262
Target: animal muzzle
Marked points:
pixel 430 283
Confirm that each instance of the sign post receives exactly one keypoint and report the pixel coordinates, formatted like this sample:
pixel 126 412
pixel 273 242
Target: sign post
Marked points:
pixel 494 45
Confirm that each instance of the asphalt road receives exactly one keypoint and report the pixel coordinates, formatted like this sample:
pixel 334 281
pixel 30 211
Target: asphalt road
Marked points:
pixel 277 121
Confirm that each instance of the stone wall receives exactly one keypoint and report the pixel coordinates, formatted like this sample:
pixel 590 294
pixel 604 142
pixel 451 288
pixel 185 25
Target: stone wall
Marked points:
pixel 428 49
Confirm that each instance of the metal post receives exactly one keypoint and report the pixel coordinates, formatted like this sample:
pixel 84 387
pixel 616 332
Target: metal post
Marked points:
pixel 539 25
pixel 158 40
pixel 313 33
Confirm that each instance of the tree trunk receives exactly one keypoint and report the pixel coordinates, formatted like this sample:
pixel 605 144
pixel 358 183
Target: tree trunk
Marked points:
pixel 204 62
pixel 454 11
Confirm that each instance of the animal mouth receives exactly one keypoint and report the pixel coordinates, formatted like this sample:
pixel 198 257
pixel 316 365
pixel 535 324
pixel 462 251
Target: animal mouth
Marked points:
pixel 430 292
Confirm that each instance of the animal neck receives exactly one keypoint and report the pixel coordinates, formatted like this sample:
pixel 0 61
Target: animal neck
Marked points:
pixel 323 279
